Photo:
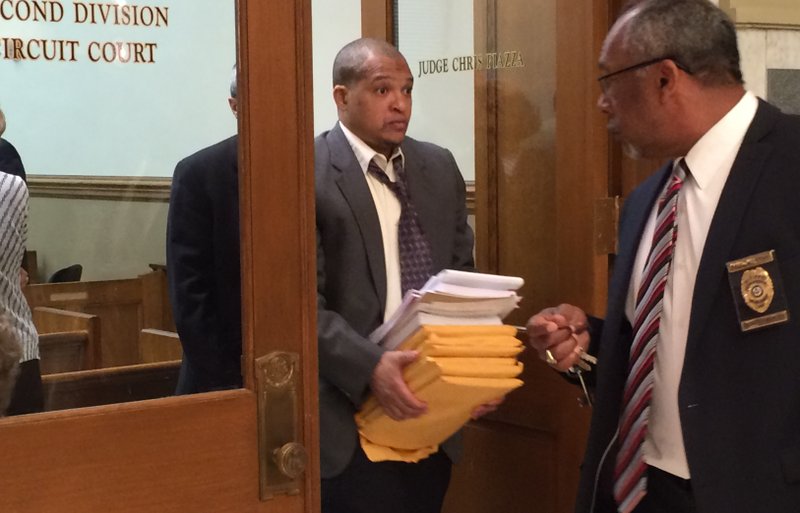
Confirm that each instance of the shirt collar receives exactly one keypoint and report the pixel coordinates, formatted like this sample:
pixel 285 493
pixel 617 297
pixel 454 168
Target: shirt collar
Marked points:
pixel 364 153
pixel 722 142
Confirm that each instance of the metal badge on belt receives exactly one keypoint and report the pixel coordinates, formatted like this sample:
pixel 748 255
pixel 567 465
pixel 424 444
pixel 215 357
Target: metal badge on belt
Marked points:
pixel 757 291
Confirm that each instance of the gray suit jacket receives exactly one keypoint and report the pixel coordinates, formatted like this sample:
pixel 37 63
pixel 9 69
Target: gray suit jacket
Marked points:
pixel 351 273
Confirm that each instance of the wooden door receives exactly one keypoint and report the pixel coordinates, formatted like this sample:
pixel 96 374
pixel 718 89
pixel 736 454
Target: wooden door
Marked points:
pixel 541 169
pixel 201 453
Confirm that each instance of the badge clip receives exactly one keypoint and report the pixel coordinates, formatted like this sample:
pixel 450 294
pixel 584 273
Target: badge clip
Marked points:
pixel 757 291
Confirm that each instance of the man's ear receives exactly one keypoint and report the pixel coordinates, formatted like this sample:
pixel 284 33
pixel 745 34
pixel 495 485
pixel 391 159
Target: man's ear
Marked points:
pixel 233 104
pixel 668 76
pixel 340 97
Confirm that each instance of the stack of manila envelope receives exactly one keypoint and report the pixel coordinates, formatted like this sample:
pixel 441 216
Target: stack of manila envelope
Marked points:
pixel 458 369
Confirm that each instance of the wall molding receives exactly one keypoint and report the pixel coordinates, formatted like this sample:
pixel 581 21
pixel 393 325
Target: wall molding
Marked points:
pixel 123 188
pixel 117 188
pixel 783 14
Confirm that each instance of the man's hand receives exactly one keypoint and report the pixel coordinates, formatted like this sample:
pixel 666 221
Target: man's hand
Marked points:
pixel 489 407
pixel 23 277
pixel 390 389
pixel 559 335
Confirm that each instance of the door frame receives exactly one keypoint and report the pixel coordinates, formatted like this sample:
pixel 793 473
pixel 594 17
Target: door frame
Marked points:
pixel 200 453
pixel 583 182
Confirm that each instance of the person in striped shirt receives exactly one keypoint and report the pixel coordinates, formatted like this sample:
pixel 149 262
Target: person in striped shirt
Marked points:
pixel 10 353
pixel 27 396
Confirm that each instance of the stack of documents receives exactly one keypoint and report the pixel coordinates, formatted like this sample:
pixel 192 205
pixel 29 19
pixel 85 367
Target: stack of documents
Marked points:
pixel 461 365
pixel 451 298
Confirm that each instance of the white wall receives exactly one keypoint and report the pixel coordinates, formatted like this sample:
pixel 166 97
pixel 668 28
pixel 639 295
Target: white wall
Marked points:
pixel 444 105
pixel 334 24
pixel 110 239
pixel 117 239
pixel 763 49
pixel 115 119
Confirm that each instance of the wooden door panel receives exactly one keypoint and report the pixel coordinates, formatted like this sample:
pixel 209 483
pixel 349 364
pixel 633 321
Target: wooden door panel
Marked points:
pixel 200 453
pixel 525 456
pixel 197 453
pixel 516 475
pixel 169 455
pixel 541 161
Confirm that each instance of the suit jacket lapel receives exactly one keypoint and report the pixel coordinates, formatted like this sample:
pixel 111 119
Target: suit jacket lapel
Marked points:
pixel 638 211
pixel 746 169
pixel 353 184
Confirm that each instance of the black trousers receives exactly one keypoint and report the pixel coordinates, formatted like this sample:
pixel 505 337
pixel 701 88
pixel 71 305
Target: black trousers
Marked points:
pixel 388 486
pixel 666 493
pixel 27 396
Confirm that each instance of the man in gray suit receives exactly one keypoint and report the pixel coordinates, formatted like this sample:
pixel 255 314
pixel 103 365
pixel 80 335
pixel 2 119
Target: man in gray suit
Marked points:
pixel 375 188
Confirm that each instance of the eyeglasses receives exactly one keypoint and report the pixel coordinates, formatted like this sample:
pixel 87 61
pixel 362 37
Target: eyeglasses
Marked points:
pixel 644 65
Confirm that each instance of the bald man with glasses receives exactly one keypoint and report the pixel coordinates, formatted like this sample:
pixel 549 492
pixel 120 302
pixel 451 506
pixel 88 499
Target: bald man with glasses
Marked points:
pixel 696 395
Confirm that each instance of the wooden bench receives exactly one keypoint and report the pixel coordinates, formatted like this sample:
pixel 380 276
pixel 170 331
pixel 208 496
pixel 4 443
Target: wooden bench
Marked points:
pixel 124 308
pixel 63 352
pixel 68 341
pixel 159 346
pixel 109 386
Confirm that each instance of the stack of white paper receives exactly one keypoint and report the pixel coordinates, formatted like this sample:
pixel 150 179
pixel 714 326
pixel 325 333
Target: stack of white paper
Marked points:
pixel 454 298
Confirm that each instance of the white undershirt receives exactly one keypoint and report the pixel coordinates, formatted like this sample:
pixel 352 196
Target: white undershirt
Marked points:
pixel 709 162
pixel 388 208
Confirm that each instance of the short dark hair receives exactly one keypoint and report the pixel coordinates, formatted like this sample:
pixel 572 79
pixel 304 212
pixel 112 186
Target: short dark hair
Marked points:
pixel 695 33
pixel 349 64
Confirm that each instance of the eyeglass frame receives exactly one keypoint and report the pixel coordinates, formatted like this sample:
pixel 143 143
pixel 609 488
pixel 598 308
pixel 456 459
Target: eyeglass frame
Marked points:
pixel 644 64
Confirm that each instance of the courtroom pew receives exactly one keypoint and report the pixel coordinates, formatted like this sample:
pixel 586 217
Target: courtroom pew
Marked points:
pixel 63 351
pixel 109 386
pixel 159 346
pixel 68 341
pixel 124 308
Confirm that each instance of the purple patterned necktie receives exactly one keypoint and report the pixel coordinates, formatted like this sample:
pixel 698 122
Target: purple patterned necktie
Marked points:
pixel 630 473
pixel 416 263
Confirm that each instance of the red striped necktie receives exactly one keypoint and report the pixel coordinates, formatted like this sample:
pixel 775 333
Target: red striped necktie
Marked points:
pixel 630 476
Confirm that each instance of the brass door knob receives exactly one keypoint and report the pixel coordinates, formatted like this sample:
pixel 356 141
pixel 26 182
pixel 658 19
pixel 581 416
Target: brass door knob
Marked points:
pixel 290 459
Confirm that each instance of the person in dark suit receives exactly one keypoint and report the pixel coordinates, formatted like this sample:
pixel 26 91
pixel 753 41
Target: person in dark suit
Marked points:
pixel 360 284
pixel 696 392
pixel 10 161
pixel 203 269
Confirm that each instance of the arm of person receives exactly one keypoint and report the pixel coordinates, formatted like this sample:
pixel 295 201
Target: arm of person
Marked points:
pixel 390 389
pixel 561 334
pixel 191 277
pixel 357 366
